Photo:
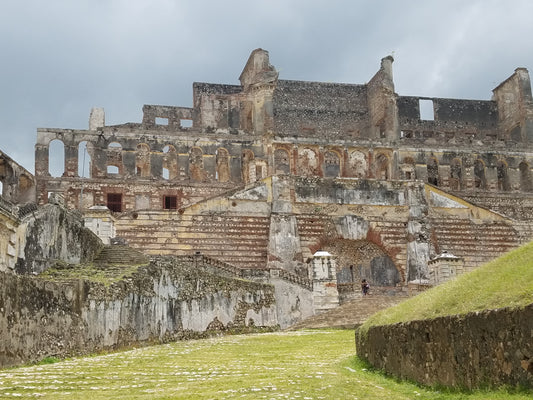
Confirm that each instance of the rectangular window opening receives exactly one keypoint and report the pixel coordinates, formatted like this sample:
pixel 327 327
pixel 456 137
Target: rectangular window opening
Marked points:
pixel 114 202
pixel 427 112
pixel 112 169
pixel 170 202
pixel 161 121
pixel 186 123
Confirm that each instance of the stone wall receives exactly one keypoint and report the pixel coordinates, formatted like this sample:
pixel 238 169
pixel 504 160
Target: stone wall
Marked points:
pixel 32 238
pixel 167 300
pixel 17 185
pixel 51 233
pixel 488 348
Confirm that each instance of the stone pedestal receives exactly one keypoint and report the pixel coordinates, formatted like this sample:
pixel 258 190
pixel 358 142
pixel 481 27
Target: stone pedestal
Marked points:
pixel 324 275
pixel 444 267
pixel 99 220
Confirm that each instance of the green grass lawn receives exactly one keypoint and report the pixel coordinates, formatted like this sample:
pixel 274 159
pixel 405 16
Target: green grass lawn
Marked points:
pixel 504 282
pixel 316 364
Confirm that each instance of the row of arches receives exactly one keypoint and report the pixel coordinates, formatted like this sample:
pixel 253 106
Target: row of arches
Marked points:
pixel 501 175
pixel 331 163
pixel 287 159
pixel 168 165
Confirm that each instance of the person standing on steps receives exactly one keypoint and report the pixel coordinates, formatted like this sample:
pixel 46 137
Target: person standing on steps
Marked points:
pixel 365 287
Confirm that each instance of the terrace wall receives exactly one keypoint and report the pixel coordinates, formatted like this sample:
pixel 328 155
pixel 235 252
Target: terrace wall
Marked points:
pixel 489 348
pixel 167 300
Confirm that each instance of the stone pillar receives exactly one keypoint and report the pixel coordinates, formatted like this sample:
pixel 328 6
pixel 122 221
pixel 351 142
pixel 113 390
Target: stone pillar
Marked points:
pixel 96 118
pixel 324 274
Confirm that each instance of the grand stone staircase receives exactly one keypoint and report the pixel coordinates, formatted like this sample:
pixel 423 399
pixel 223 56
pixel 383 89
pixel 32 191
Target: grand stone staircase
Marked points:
pixel 350 314
pixel 120 255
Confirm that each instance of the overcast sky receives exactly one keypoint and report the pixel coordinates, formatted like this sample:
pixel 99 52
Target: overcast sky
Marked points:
pixel 59 58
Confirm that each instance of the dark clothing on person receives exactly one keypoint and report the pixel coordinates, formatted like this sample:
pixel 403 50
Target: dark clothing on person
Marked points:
pixel 365 287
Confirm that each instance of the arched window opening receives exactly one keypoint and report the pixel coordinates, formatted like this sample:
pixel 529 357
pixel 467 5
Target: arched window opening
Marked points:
pixel 281 162
pixel 1 188
pixel 56 158
pixel 170 162
pixel 142 160
pixel 332 164
pixel 222 169
pixel 456 174
pixel 503 176
pixel 382 167
pixel 433 171
pixel 114 158
pixel 408 168
pixel 480 181
pixel 358 164
pixel 84 161
pixel 307 162
pixel 525 177
pixel 196 165
pixel 248 166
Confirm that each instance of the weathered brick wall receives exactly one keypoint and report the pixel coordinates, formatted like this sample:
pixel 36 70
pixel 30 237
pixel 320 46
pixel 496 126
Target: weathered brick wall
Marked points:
pixel 518 206
pixel 240 240
pixel 169 299
pixel 459 118
pixel 477 242
pixel 318 109
pixel 488 348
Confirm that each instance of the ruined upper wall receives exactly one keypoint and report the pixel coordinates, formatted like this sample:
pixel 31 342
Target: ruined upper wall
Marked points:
pixel 219 108
pixel 17 183
pixel 451 117
pixel 515 106
pixel 238 134
pixel 319 109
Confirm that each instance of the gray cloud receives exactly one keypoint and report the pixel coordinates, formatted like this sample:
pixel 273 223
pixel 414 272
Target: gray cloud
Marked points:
pixel 60 58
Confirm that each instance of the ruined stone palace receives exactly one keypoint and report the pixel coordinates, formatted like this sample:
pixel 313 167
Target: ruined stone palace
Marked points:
pixel 263 174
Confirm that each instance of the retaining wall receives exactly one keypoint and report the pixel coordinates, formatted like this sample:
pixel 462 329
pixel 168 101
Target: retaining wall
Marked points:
pixel 489 348
pixel 164 301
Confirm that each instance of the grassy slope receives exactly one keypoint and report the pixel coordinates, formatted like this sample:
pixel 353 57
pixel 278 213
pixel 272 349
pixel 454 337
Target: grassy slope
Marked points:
pixel 283 365
pixel 504 282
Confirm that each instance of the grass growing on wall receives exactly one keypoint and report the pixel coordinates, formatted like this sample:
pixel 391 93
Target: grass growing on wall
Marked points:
pixel 106 275
pixel 283 365
pixel 504 282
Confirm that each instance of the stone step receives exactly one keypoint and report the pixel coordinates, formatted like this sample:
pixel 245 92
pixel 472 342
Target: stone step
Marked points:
pixel 350 314
pixel 118 254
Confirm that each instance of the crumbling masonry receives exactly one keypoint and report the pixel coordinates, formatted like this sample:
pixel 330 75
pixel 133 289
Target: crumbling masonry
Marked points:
pixel 263 174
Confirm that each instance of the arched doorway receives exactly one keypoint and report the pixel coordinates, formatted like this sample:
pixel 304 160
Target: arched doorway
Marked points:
pixel 361 259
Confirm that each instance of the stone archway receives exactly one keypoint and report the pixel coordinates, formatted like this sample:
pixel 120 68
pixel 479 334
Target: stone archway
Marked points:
pixel 362 259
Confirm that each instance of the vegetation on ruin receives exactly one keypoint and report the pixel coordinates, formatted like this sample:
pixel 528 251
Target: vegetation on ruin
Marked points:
pixel 317 364
pixel 504 282
pixel 107 274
